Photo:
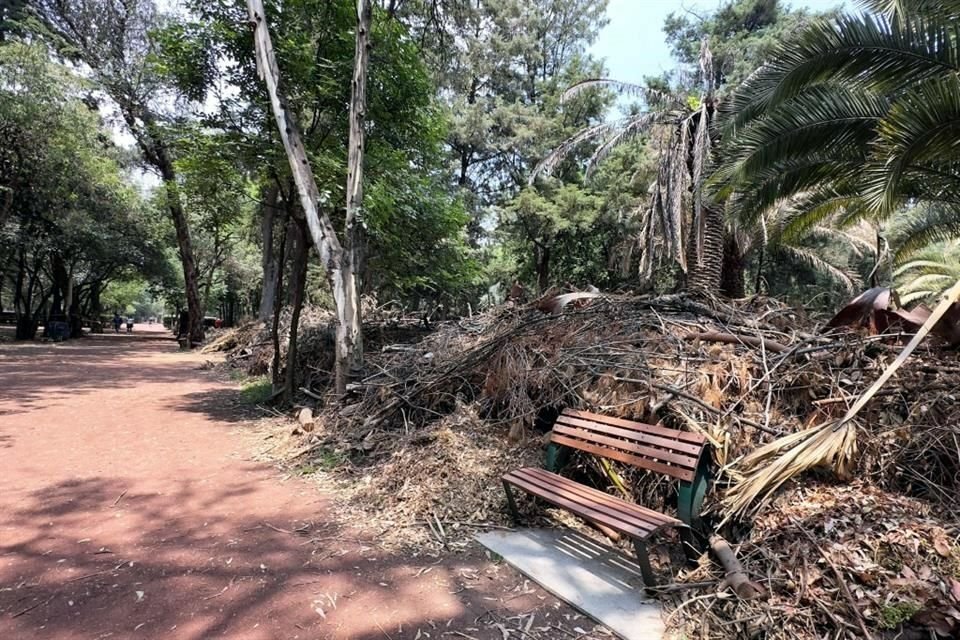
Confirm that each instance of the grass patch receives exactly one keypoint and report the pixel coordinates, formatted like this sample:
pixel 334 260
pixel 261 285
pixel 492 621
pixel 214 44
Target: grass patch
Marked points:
pixel 893 615
pixel 325 460
pixel 257 391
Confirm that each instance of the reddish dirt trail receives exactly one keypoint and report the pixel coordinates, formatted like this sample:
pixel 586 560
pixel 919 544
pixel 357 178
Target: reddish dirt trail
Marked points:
pixel 129 509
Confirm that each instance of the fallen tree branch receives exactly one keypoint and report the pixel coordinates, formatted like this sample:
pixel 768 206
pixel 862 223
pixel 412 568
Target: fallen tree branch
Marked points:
pixel 736 578
pixel 732 338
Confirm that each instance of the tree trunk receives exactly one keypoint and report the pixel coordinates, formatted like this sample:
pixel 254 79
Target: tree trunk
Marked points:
pixel 298 280
pixel 191 278
pixel 542 259
pixel 73 313
pixel 269 258
pixel 758 283
pixel 734 268
pixel 339 268
pixel 704 270
pixel 278 299
pixel 61 286
pixel 350 334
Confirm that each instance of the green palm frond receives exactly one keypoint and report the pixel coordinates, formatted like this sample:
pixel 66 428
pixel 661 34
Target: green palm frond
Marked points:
pixel 788 179
pixel 921 225
pixel 922 129
pixel 933 270
pixel 810 210
pixel 810 259
pixel 860 246
pixel 900 8
pixel 826 121
pixel 867 52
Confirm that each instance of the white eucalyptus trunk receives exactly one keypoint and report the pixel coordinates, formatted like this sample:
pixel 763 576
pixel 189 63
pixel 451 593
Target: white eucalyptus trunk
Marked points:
pixel 337 262
pixel 351 334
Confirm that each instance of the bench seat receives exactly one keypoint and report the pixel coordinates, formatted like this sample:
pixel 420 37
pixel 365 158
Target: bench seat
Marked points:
pixel 630 519
pixel 675 454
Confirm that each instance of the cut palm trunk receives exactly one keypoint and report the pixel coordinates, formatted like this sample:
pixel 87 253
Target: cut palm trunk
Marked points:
pixel 736 577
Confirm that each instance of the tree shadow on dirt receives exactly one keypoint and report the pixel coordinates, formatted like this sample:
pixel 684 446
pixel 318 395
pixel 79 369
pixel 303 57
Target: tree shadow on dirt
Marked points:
pixel 223 405
pixel 36 374
pixel 87 558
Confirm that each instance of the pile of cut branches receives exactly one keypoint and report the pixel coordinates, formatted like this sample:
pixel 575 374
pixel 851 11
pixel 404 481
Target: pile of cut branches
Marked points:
pixel 424 437
pixel 743 375
pixel 847 561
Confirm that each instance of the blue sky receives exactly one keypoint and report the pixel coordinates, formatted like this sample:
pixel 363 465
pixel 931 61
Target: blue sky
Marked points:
pixel 633 42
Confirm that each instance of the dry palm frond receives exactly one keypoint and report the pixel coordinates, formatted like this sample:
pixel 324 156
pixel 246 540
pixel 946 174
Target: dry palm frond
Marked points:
pixel 631 128
pixel 828 445
pixel 624 88
pixel 701 156
pixel 548 164
pixel 820 446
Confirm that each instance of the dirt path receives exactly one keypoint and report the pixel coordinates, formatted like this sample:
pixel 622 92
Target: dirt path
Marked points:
pixel 129 509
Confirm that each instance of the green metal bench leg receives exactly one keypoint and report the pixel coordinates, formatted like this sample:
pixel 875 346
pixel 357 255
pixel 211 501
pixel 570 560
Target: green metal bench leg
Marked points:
pixel 512 504
pixel 643 559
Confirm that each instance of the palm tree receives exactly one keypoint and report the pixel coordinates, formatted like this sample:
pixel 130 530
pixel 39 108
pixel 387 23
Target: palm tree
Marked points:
pixel 928 272
pixel 857 117
pixel 680 221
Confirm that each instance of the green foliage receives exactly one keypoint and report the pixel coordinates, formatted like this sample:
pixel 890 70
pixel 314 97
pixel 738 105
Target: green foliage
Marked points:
pixel 257 391
pixel 740 34
pixel 856 117
pixel 414 223
pixel 67 211
pixel 894 614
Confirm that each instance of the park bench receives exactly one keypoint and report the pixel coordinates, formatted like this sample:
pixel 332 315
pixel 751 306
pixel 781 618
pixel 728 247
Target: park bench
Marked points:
pixel 680 455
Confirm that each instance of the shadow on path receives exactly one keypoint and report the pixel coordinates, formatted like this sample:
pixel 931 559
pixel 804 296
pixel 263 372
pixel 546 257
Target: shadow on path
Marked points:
pixel 129 511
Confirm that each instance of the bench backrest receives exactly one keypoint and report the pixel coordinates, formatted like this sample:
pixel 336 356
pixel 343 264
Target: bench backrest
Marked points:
pixel 668 451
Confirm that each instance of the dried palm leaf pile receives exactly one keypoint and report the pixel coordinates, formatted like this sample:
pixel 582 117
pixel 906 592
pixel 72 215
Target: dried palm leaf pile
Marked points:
pixel 850 525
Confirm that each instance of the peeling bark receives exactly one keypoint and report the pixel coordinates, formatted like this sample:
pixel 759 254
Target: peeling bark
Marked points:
pixel 339 263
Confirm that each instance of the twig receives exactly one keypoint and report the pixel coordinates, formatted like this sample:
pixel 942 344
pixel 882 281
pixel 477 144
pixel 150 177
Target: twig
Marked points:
pixel 732 338
pixel 844 589
pixel 219 593
pixel 310 394
pixel 270 526
pixel 389 637
pixel 120 497
pixel 32 607
pixel 700 403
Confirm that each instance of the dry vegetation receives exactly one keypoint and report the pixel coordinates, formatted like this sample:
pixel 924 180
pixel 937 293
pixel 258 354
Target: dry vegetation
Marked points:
pixel 419 448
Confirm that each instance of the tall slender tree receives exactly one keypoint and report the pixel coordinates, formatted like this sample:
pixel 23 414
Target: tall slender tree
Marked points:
pixel 338 263
pixel 113 39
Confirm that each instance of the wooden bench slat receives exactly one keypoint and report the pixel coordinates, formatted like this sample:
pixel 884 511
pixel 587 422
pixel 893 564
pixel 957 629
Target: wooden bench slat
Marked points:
pixel 601 496
pixel 682 460
pixel 582 510
pixel 586 507
pixel 656 518
pixel 666 443
pixel 686 436
pixel 563 488
pixel 622 456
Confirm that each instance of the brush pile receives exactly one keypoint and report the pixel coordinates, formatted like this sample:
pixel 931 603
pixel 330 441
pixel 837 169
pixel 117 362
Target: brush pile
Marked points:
pixel 837 561
pixel 743 375
pixel 425 437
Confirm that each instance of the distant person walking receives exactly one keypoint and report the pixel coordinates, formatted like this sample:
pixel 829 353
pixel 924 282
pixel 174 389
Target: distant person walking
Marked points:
pixel 130 324
pixel 117 321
